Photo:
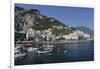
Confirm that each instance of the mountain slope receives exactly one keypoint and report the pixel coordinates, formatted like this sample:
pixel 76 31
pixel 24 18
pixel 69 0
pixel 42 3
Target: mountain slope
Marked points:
pixel 25 19
pixel 86 30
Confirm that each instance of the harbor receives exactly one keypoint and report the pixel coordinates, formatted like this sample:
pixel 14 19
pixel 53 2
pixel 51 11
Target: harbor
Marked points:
pixel 52 53
pixel 42 37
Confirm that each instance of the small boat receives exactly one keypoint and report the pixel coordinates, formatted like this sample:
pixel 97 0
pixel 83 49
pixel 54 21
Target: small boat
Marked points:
pixel 18 52
pixel 42 52
pixel 65 51
pixel 45 50
pixel 20 55
pixel 32 49
pixel 27 45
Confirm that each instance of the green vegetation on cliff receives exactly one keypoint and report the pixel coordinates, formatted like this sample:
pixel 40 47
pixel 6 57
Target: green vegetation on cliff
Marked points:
pixel 61 31
pixel 40 22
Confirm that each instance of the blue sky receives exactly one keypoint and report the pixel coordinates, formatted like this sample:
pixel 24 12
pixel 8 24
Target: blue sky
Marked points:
pixel 71 16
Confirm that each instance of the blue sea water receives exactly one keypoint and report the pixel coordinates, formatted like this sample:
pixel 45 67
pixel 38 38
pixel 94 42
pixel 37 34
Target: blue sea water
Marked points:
pixel 62 52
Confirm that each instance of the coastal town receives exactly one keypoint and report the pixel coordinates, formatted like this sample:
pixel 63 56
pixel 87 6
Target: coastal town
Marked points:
pixel 47 35
pixel 37 34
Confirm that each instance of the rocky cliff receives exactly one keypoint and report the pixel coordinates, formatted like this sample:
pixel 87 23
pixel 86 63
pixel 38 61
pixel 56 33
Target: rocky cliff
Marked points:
pixel 32 18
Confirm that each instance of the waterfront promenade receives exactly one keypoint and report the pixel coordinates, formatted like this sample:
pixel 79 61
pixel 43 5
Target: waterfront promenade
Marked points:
pixel 58 41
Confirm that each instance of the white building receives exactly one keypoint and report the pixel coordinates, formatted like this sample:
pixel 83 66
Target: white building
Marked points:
pixel 30 33
pixel 81 33
pixel 73 35
pixel 47 34
pixel 76 34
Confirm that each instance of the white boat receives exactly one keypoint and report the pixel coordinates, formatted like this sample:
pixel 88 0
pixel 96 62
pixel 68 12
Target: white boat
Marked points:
pixel 20 55
pixel 32 49
pixel 45 50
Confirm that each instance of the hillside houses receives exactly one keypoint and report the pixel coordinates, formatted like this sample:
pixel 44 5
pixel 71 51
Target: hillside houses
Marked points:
pixel 46 35
pixel 76 35
pixel 31 24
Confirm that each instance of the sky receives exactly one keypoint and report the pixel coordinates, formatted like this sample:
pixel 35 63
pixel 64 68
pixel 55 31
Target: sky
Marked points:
pixel 70 16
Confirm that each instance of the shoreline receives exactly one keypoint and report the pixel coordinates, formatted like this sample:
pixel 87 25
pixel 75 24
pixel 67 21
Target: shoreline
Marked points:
pixel 67 41
pixel 59 41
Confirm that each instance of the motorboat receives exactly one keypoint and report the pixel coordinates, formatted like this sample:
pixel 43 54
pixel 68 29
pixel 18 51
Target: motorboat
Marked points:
pixel 19 52
pixel 31 49
pixel 45 50
pixel 20 55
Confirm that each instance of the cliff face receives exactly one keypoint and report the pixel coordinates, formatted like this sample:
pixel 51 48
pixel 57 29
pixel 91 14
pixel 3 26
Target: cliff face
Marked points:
pixel 32 18
pixel 29 20
pixel 24 19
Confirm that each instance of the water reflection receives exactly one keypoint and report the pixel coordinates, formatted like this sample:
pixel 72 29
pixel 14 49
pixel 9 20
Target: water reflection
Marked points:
pixel 55 53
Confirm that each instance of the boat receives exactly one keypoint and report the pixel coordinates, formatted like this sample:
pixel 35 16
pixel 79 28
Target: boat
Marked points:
pixel 45 50
pixel 19 55
pixel 32 49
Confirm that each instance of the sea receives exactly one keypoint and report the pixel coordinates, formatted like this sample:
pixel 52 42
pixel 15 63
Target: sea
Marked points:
pixel 61 53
